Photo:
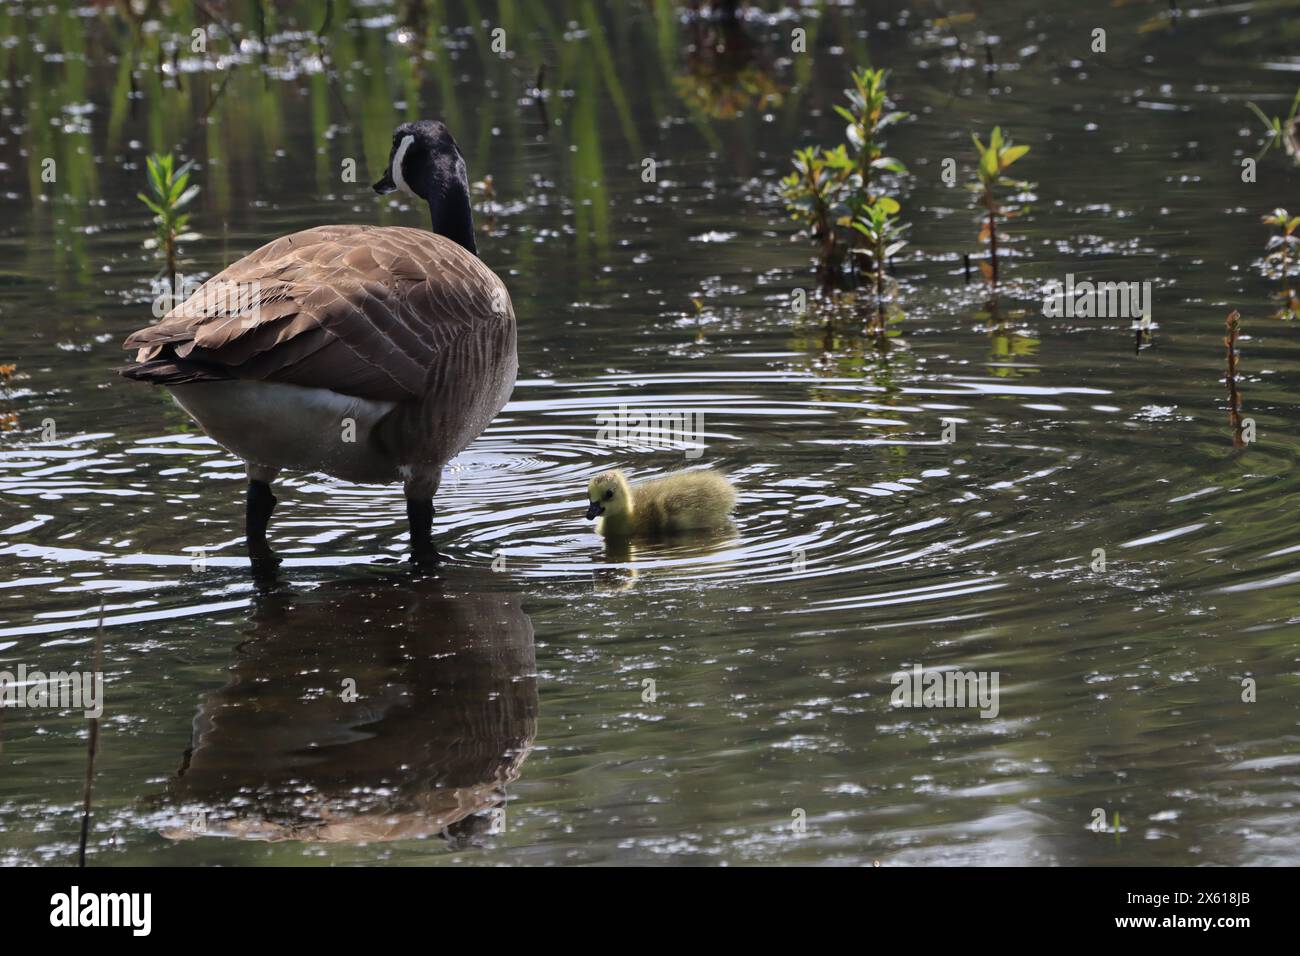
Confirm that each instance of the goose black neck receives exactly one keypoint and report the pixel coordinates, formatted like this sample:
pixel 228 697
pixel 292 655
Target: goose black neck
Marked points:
pixel 451 215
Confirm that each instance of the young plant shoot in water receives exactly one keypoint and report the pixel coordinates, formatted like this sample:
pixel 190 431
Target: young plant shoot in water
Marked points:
pixel 878 224
pixel 171 193
pixel 867 119
pixel 994 160
pixel 1282 249
pixel 815 196
pixel 1279 132
pixel 830 190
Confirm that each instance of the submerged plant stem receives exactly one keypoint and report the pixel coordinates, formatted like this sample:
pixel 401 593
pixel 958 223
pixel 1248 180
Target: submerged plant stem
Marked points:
pixel 92 748
pixel 993 244
pixel 1234 397
pixel 880 297
pixel 1286 278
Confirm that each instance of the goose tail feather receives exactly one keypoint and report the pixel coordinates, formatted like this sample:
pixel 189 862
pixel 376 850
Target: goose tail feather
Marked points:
pixel 170 371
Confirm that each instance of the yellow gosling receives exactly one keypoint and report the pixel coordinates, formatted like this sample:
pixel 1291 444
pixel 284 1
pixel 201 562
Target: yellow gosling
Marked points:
pixel 681 501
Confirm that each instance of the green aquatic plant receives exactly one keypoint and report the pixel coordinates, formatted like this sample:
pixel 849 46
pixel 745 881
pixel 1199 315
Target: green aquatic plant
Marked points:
pixel 1281 249
pixel 994 160
pixel 699 318
pixel 868 116
pixel 882 233
pixel 830 192
pixel 816 194
pixel 1279 132
pixel 171 193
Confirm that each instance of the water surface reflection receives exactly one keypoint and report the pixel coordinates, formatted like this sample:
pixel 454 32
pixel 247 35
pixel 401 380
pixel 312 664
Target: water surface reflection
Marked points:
pixel 388 708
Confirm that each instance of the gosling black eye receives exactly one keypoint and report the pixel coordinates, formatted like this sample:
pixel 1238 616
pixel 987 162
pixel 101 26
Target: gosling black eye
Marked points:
pixel 609 494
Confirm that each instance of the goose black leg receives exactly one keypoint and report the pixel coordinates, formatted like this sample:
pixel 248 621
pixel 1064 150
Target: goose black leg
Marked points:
pixel 260 505
pixel 419 512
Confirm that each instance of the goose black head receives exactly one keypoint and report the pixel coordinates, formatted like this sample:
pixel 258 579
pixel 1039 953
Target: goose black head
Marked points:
pixel 426 162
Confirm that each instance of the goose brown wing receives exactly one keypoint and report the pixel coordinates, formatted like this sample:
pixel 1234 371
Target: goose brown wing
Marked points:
pixel 361 310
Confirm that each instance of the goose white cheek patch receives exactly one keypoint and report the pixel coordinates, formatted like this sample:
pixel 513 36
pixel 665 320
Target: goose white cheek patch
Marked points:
pixel 397 164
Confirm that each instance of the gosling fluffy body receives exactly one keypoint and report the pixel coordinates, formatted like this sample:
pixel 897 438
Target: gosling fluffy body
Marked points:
pixel 681 501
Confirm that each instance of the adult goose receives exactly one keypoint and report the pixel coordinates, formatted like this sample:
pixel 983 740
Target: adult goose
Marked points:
pixel 371 354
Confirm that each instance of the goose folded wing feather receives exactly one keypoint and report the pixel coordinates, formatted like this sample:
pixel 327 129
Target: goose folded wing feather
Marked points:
pixel 373 322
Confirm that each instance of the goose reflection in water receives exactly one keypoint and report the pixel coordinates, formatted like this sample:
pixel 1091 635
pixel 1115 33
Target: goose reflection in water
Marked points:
pixel 444 715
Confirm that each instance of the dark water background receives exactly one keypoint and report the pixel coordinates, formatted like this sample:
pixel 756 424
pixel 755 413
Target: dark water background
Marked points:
pixel 864 543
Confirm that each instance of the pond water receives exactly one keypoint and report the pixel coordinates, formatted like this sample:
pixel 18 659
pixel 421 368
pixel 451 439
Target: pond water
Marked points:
pixel 1006 492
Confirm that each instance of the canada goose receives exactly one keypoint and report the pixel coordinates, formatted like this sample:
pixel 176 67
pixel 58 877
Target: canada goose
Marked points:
pixel 374 354
pixel 681 501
